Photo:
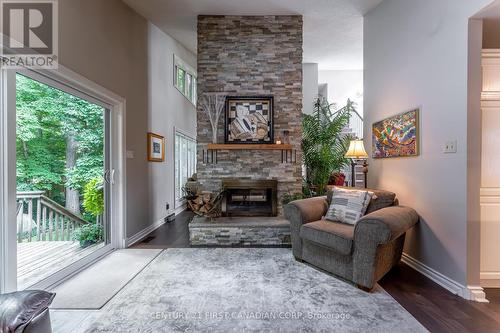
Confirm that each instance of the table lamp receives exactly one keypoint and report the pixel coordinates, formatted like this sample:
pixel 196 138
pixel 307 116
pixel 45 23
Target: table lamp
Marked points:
pixel 355 152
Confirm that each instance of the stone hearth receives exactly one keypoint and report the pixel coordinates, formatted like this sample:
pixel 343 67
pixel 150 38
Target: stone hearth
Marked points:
pixel 239 231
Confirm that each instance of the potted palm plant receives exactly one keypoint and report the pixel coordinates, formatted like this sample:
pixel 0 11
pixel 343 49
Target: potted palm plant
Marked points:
pixel 325 140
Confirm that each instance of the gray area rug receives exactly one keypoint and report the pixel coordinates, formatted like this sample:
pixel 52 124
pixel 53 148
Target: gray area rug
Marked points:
pixel 96 285
pixel 243 290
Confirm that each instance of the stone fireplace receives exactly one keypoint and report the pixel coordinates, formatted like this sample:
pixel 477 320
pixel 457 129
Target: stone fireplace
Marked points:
pixel 251 56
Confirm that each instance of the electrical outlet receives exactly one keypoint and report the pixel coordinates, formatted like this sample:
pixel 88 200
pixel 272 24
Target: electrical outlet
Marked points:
pixel 130 154
pixel 450 147
pixel 167 206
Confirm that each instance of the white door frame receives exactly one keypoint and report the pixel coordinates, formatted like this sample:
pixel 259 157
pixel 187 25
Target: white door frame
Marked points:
pixel 8 239
pixel 88 88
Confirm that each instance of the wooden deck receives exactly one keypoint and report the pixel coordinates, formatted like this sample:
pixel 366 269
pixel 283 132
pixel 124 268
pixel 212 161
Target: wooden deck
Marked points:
pixel 38 260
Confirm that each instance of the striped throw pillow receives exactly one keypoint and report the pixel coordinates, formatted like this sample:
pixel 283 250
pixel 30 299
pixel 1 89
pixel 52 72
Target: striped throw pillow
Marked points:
pixel 348 206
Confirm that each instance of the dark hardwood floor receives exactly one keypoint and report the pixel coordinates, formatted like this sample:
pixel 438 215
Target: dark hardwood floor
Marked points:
pixel 174 234
pixel 436 308
pixel 433 306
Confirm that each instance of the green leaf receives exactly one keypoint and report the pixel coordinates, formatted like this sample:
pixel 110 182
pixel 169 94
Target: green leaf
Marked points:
pixel 325 141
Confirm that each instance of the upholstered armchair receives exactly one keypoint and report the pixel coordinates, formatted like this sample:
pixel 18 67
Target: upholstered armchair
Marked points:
pixel 362 253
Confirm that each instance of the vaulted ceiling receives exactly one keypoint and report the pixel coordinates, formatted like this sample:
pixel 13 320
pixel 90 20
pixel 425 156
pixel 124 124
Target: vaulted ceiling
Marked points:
pixel 333 29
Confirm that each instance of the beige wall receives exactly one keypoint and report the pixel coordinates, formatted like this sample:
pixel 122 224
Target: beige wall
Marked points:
pixel 410 64
pixel 107 42
pixel 168 109
pixel 474 150
pixel 309 86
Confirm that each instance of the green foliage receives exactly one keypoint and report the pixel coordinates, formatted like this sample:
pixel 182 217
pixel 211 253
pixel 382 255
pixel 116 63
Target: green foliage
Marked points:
pixel 287 197
pixel 323 142
pixel 306 190
pixel 93 197
pixel 306 193
pixel 180 78
pixel 46 119
pixel 88 234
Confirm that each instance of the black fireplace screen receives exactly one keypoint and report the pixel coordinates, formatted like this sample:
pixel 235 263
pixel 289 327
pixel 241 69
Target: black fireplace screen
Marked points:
pixel 248 202
pixel 249 198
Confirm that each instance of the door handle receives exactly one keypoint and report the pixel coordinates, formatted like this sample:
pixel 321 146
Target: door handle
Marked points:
pixel 106 176
pixel 112 176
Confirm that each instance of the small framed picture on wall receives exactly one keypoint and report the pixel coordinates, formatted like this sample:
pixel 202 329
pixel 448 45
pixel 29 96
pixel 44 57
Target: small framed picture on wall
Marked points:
pixel 156 148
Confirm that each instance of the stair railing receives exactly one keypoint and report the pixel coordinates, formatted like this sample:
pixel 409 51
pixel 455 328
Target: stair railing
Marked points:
pixel 356 124
pixel 40 218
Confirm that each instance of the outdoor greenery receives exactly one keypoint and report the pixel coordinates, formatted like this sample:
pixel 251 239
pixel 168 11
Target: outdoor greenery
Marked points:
pixel 324 142
pixel 93 198
pixel 89 234
pixel 60 143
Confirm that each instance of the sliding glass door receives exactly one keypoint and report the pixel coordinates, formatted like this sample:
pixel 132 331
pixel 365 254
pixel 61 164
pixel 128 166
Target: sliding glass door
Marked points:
pixel 63 179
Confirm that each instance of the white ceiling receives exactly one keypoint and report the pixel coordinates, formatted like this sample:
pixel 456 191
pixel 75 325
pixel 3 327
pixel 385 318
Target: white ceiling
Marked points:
pixel 333 29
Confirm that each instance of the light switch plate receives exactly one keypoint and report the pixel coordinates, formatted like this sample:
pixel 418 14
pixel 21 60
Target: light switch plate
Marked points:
pixel 130 154
pixel 450 147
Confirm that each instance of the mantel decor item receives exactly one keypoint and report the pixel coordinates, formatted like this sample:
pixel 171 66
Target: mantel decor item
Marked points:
pixel 249 119
pixel 156 148
pixel 213 105
pixel 357 152
pixel 396 136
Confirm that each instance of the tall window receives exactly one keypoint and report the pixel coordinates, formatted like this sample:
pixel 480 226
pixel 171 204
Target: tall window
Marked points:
pixel 185 163
pixel 185 79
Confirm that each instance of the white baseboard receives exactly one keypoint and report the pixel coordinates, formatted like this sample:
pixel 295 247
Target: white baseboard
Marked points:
pixel 180 209
pixel 476 294
pixel 472 293
pixel 143 233
pixel 146 231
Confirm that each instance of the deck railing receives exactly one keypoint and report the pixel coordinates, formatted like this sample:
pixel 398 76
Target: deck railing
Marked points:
pixel 40 218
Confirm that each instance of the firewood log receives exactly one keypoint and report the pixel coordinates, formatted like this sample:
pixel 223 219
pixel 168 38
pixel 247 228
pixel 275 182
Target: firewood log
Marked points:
pixel 206 196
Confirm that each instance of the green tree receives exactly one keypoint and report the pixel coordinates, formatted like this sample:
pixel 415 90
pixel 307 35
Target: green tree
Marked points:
pixel 324 142
pixel 60 141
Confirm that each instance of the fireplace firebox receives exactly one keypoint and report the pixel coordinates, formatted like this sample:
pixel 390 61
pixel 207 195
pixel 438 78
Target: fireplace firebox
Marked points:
pixel 250 197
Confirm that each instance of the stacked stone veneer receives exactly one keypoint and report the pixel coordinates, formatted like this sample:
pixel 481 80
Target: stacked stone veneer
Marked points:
pixel 233 232
pixel 248 56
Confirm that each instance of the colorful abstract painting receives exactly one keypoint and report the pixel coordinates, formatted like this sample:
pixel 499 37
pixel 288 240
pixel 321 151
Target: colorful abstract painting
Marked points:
pixel 396 136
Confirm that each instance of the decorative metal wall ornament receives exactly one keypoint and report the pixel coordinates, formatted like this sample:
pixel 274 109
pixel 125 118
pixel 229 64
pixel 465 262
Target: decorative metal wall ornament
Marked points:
pixel 213 105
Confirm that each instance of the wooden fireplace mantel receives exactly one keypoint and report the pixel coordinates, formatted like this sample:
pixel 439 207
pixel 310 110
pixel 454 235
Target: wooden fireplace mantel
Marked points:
pixel 213 146
pixel 288 154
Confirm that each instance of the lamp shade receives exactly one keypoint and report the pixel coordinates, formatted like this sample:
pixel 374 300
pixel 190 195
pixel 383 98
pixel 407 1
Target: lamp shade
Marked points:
pixel 356 150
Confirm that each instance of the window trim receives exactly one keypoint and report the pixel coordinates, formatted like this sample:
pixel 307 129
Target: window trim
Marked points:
pixel 177 131
pixel 188 70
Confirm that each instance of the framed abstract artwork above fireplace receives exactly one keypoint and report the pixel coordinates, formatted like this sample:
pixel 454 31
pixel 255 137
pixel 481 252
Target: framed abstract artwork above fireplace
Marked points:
pixel 249 119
